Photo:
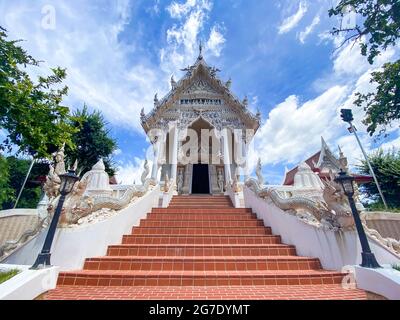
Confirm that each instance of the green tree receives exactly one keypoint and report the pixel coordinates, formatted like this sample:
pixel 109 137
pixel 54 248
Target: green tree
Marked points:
pixel 387 170
pixel 380 30
pixel 17 170
pixel 6 193
pixel 92 142
pixel 31 113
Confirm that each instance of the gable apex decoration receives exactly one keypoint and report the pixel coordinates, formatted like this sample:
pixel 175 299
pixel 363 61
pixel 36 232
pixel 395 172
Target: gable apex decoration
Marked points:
pixel 201 87
pixel 327 160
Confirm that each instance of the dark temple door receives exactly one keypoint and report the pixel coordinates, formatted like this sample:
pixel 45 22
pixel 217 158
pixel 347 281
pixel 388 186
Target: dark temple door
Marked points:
pixel 200 180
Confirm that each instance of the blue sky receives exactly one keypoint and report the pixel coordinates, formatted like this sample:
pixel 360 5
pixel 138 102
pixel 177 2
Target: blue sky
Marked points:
pixel 118 54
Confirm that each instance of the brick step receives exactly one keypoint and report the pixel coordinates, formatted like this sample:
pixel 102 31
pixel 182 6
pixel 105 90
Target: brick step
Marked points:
pixel 200 224
pixel 209 239
pixel 201 231
pixel 162 250
pixel 201 216
pixel 187 201
pixel 217 263
pixel 282 292
pixel 202 210
pixel 199 206
pixel 198 278
pixel 208 197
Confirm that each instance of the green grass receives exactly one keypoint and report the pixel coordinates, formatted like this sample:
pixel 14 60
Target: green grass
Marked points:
pixel 4 276
pixel 396 267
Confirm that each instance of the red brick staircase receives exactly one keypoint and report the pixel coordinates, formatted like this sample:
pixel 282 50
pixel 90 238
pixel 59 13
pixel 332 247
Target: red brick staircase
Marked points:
pixel 200 247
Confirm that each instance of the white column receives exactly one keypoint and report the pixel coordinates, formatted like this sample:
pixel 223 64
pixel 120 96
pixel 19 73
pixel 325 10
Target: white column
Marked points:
pixel 174 160
pixel 227 161
pixel 154 171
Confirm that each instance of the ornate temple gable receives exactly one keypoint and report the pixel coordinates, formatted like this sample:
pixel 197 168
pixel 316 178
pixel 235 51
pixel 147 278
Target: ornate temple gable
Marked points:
pixel 320 162
pixel 327 160
pixel 200 93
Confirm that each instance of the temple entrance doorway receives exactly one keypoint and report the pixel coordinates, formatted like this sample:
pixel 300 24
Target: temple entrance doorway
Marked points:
pixel 200 180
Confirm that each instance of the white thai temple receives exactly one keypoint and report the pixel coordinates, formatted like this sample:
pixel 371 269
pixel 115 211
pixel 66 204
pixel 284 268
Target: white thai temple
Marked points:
pixel 200 105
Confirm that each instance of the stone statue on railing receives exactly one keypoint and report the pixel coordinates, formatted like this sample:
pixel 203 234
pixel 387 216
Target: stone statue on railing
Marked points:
pixel 259 172
pixel 167 183
pixel 180 180
pixel 91 194
pixel 146 171
pixel 59 161
pixel 235 184
pixel 220 180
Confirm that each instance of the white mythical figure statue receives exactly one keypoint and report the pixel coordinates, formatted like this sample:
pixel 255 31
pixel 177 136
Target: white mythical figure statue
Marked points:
pixel 59 161
pixel 220 180
pixel 146 171
pixel 260 177
pixel 167 183
pixel 180 180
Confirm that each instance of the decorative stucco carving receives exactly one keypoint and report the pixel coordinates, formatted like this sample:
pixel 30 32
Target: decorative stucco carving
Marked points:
pixel 323 208
pixel 10 245
pixel 79 205
pixel 392 244
pixel 92 193
pixel 201 87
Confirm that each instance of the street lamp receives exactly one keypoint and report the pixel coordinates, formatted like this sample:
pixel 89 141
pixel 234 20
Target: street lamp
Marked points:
pixel 68 181
pixel 347 116
pixel 368 258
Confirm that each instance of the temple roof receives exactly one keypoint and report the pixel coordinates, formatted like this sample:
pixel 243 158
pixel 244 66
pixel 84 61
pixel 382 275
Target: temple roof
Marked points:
pixel 320 163
pixel 200 69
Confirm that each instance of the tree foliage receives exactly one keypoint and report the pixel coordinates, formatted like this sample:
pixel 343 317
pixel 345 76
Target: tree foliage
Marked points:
pixel 17 169
pixel 380 30
pixel 387 169
pixel 93 141
pixel 383 105
pixel 5 191
pixel 31 113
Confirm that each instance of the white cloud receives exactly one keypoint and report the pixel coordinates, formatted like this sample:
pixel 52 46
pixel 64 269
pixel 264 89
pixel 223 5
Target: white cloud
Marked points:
pixel 216 41
pixel 309 29
pixel 131 171
pixel 349 61
pixel 86 42
pixel 291 22
pixel 178 10
pixel 393 144
pixel 183 37
pixel 104 72
pixel 293 130
pixel 117 152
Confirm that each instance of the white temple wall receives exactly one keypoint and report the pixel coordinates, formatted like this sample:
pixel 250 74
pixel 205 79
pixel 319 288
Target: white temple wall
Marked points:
pixel 334 249
pixel 72 246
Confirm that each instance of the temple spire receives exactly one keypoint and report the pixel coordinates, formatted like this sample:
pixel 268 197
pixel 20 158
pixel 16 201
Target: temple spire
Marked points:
pixel 200 50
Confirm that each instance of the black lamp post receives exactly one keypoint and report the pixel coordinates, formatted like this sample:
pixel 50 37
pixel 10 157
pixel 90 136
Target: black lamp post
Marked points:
pixel 68 181
pixel 368 258
pixel 347 116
